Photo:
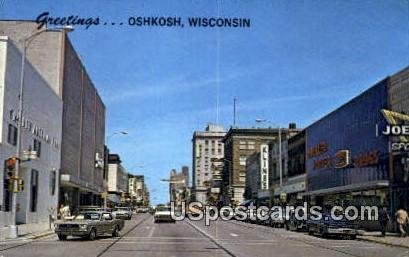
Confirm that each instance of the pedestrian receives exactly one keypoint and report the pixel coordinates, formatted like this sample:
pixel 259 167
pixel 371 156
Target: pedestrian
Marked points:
pixel 402 220
pixel 384 219
pixel 64 211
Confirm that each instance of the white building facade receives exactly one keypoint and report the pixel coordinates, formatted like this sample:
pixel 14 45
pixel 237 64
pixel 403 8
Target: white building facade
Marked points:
pixel 41 128
pixel 207 147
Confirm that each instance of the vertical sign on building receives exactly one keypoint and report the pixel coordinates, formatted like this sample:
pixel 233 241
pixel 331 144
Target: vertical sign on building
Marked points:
pixel 264 166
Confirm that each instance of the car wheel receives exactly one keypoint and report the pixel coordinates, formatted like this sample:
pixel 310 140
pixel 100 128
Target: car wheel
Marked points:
pixel 287 227
pixel 352 237
pixel 322 233
pixel 62 237
pixel 115 233
pixel 92 235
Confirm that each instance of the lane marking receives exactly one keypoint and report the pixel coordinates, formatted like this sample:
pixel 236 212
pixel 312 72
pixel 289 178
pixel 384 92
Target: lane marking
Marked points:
pixel 151 232
pixel 232 234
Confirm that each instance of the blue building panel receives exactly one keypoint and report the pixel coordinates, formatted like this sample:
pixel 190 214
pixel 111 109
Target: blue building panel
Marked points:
pixel 352 127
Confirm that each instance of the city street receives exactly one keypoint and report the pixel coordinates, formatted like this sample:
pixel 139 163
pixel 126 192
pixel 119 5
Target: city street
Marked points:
pixel 142 237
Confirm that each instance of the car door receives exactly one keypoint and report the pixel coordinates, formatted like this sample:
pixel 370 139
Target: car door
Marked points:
pixel 106 221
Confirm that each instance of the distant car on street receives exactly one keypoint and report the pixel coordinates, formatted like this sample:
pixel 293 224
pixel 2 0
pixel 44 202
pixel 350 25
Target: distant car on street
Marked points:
pixel 122 213
pixel 162 213
pixel 89 224
pixel 142 210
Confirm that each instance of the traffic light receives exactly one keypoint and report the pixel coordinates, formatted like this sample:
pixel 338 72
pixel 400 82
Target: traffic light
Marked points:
pixel 20 185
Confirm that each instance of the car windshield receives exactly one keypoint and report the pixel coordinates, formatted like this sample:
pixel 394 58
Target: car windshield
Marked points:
pixel 163 208
pixel 121 209
pixel 88 216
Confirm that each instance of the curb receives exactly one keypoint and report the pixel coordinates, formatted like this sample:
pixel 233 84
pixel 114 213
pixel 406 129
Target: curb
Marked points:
pixel 360 238
pixel 42 234
pixel 32 236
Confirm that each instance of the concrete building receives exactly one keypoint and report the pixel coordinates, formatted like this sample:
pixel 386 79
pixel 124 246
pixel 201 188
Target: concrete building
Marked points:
pixel 207 147
pixel 240 144
pixel 41 128
pixel 179 185
pixel 118 181
pixel 293 163
pixel 263 170
pixel 138 190
pixel 83 120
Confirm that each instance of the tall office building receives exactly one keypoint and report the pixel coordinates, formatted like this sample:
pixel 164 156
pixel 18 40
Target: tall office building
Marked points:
pixel 207 147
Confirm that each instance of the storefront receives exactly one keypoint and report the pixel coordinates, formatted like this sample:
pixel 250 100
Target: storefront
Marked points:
pixel 347 160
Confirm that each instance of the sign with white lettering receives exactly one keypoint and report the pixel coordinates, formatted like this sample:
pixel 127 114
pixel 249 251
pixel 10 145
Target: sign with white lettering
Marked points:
pixel 264 172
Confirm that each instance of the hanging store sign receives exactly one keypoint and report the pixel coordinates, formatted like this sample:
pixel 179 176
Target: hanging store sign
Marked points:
pixel 264 172
pixel 396 129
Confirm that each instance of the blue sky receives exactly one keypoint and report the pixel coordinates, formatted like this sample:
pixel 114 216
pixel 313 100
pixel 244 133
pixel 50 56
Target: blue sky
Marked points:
pixel 298 61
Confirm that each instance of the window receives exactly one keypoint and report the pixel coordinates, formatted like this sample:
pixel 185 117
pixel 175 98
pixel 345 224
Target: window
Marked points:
pixel 12 135
pixel 37 147
pixel 206 174
pixel 243 160
pixel 34 190
pixel 53 179
pixel 243 145
pixel 251 145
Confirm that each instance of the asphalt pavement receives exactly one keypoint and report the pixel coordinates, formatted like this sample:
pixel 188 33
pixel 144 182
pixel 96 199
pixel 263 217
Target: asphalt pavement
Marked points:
pixel 142 237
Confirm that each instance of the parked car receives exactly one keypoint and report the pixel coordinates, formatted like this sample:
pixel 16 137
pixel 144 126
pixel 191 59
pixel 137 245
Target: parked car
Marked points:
pixel 89 224
pixel 122 213
pixel 162 213
pixel 327 226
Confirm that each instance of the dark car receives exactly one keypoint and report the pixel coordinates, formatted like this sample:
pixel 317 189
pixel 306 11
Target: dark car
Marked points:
pixel 327 226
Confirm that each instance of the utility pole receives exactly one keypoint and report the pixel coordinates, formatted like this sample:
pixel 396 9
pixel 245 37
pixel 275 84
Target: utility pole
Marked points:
pixel 234 112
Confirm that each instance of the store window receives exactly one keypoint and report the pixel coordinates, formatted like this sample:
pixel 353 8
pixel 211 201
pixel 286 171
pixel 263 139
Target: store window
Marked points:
pixel 12 135
pixel 53 180
pixel 37 147
pixel 34 190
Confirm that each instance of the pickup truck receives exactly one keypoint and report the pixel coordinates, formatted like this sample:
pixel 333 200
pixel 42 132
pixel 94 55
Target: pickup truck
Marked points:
pixel 89 224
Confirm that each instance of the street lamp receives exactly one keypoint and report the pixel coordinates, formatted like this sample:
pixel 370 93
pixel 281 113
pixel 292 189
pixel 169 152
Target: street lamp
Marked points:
pixel 26 44
pixel 106 142
pixel 280 168
pixel 115 133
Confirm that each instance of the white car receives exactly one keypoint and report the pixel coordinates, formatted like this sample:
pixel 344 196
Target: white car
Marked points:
pixel 122 213
pixel 162 213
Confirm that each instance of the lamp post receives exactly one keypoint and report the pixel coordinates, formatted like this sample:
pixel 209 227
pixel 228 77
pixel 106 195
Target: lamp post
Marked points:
pixel 26 43
pixel 280 168
pixel 106 142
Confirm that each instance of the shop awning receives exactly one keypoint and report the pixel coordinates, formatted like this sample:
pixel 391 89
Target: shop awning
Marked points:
pixel 354 187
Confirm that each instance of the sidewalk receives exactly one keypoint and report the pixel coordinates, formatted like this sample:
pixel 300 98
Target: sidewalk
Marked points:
pixel 27 231
pixel 391 239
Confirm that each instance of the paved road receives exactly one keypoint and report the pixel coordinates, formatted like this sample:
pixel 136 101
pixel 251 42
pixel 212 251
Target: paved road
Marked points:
pixel 142 237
